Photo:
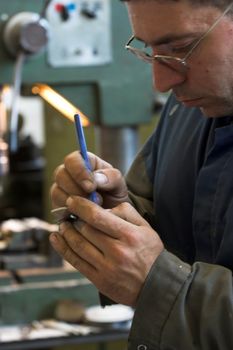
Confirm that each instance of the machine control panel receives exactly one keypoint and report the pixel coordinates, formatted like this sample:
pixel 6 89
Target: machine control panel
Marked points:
pixel 80 32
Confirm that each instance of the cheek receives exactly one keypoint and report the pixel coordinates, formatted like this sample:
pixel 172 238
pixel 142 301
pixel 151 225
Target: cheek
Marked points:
pixel 214 77
pixel 208 75
pixel 210 67
pixel 205 76
pixel 202 70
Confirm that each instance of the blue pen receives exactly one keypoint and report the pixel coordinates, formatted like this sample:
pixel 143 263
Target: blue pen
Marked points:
pixel 93 196
pixel 83 149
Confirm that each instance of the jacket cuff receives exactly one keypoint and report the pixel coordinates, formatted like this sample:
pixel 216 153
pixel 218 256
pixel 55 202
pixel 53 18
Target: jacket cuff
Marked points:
pixel 162 286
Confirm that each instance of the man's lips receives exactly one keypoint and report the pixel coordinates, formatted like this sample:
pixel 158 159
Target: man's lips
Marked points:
pixel 190 101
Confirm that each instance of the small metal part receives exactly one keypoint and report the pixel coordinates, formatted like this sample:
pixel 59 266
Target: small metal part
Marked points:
pixel 76 329
pixel 62 214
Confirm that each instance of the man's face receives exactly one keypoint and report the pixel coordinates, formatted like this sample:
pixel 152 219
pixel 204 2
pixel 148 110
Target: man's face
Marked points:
pixel 171 29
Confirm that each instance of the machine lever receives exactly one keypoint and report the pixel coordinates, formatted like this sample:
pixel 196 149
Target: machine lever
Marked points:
pixel 46 5
pixel 25 34
pixel 15 101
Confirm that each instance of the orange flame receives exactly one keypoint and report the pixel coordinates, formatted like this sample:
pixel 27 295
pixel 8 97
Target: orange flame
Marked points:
pixel 56 100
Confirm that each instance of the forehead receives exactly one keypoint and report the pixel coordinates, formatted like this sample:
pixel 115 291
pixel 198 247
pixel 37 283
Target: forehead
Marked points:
pixel 151 19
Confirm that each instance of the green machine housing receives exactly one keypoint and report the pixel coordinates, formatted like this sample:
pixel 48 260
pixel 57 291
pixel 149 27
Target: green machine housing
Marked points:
pixel 85 61
pixel 114 90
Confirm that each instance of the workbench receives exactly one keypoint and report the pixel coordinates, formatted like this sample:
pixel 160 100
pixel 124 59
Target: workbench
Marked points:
pixel 50 343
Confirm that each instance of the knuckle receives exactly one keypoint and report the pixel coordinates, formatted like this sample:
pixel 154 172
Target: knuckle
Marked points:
pixel 124 206
pixel 118 174
pixel 96 217
pixel 121 257
pixel 76 264
pixel 69 158
pixel 53 190
pixel 70 257
pixel 75 167
pixel 76 242
pixel 72 162
pixel 58 197
pixel 54 194
pixel 65 250
pixel 60 175
pixel 57 171
pixel 80 246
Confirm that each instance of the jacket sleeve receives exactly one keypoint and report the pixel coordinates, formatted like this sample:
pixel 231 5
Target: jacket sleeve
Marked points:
pixel 139 179
pixel 140 187
pixel 183 307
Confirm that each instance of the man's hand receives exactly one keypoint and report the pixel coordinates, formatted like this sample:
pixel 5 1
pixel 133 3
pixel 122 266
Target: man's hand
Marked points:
pixel 72 178
pixel 114 249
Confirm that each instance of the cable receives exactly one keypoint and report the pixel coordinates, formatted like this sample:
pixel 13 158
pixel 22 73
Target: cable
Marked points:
pixel 15 101
pixel 46 5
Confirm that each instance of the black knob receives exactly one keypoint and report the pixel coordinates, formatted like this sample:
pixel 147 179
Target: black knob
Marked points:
pixel 91 14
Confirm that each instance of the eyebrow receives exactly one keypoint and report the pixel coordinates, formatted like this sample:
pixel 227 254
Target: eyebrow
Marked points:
pixel 168 38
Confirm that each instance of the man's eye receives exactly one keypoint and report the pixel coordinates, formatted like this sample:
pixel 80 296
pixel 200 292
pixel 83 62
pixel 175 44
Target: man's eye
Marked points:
pixel 182 48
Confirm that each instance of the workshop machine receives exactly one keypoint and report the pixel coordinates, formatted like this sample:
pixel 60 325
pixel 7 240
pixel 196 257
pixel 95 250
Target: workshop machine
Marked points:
pixel 75 48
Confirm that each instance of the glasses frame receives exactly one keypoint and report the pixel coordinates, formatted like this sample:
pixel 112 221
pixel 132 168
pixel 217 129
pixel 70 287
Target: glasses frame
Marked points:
pixel 169 60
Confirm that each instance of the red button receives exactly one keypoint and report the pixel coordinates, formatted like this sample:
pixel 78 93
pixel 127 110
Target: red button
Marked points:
pixel 59 7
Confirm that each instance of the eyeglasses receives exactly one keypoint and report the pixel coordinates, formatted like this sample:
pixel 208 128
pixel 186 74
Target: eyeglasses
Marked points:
pixel 178 64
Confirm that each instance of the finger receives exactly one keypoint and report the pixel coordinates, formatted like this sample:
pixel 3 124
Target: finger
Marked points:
pixel 98 163
pixel 57 170
pixel 129 213
pixel 66 182
pixel 98 217
pixel 99 239
pixel 64 250
pixel 76 168
pixel 81 246
pixel 58 196
pixel 109 179
pixel 112 181
pixel 98 277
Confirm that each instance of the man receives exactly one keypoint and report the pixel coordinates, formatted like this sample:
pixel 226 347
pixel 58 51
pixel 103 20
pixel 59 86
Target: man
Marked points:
pixel 164 244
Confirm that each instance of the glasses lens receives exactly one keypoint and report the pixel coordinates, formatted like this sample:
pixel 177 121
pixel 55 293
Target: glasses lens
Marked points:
pixel 140 45
pixel 144 53
pixel 174 63
pixel 139 49
pixel 141 54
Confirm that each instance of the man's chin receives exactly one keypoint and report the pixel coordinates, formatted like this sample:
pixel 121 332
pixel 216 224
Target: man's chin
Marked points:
pixel 208 112
pixel 215 112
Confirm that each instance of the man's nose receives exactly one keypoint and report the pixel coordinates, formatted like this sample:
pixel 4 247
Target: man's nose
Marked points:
pixel 166 78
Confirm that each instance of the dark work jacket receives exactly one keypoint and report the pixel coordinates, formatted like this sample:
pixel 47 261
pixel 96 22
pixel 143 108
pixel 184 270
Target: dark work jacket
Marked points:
pixel 182 183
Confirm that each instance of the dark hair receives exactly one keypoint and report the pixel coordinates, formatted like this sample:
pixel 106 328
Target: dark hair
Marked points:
pixel 216 3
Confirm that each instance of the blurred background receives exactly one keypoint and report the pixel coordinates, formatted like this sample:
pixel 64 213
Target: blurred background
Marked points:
pixel 58 58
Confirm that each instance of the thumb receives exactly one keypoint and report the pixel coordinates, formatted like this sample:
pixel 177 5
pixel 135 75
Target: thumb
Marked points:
pixel 111 180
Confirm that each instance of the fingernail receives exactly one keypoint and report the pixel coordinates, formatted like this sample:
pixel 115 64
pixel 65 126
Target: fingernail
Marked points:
pixel 100 178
